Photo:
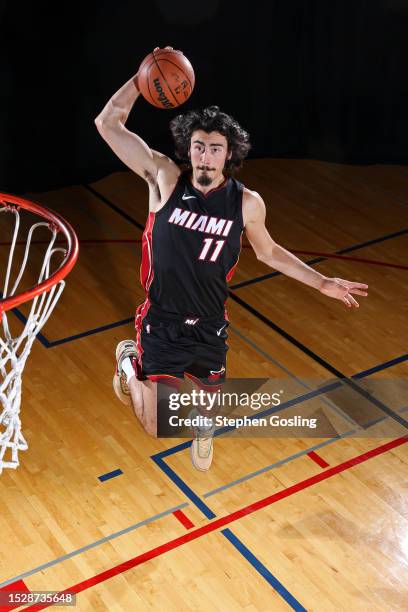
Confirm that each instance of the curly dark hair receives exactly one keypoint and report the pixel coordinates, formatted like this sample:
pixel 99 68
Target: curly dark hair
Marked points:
pixel 210 119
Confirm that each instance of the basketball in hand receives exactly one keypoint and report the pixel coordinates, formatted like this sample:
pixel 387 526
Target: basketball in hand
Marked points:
pixel 166 78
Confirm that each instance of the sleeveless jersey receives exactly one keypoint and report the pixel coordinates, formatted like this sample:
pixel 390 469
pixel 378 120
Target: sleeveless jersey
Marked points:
pixel 190 248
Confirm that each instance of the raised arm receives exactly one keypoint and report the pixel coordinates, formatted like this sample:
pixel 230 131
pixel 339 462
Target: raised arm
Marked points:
pixel 271 253
pixel 129 147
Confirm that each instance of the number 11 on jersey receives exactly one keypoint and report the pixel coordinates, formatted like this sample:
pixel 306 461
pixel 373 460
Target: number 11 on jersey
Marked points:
pixel 207 245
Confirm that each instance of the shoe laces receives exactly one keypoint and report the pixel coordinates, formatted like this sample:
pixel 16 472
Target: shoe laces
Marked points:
pixel 204 443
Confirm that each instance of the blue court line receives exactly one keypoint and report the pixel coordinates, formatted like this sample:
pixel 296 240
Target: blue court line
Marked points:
pixel 268 411
pixel 50 344
pixel 90 332
pixel 172 450
pixel 269 357
pixel 292 402
pixel 208 513
pixel 189 493
pixel 311 262
pixel 383 366
pixel 195 499
pixel 314 393
pixel 169 511
pixel 222 430
pixel 267 468
pixel 177 480
pixel 263 571
pixel 110 475
pixel 158 459
pixel 83 549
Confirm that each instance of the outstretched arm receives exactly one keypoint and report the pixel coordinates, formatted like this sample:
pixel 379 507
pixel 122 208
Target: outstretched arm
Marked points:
pixel 271 253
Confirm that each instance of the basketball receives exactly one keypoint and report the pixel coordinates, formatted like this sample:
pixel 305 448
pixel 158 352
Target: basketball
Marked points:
pixel 166 78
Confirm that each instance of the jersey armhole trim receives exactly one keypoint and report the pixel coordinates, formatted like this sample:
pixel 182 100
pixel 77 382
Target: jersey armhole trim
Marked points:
pixel 158 212
pixel 241 188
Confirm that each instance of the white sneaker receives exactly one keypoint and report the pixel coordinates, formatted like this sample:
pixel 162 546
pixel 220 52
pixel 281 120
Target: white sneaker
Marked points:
pixel 202 447
pixel 126 348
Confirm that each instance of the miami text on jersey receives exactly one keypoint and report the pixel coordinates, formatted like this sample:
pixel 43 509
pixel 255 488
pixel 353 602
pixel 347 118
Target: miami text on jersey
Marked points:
pixel 200 223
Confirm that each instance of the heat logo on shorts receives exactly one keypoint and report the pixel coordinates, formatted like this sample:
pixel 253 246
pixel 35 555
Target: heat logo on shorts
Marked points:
pixel 215 374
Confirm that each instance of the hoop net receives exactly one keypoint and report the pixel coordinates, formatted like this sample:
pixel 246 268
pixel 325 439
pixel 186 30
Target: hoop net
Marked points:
pixel 43 296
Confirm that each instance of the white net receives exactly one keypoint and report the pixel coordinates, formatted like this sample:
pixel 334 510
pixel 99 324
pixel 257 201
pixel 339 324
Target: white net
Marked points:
pixel 15 350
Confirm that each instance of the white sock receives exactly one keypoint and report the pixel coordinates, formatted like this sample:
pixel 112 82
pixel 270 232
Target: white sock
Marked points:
pixel 128 369
pixel 206 429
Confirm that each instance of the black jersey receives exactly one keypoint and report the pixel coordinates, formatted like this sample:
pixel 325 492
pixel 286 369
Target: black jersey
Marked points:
pixel 191 248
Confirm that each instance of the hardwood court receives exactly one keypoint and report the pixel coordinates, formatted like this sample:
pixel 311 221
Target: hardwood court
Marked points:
pixel 316 524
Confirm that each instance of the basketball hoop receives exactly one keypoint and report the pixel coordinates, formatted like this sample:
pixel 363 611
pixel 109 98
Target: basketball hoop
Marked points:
pixel 44 294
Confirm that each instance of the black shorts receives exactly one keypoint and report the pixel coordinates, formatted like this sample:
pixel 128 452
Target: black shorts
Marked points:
pixel 173 346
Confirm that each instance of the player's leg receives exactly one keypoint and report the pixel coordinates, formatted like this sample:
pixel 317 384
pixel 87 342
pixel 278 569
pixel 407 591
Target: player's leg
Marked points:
pixel 144 403
pixel 156 356
pixel 208 374
pixel 202 447
pixel 141 395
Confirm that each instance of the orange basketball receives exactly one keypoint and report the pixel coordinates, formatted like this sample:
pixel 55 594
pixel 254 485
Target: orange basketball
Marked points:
pixel 166 78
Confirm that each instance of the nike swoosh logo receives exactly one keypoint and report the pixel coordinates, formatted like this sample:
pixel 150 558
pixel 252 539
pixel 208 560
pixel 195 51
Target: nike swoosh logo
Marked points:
pixel 186 197
pixel 220 330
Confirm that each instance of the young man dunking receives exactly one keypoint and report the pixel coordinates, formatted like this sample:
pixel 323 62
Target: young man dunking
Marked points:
pixel 190 250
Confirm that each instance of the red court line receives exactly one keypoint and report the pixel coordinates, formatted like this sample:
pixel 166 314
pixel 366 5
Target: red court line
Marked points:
pixel 317 459
pixel 360 259
pixel 83 241
pixel 372 262
pixel 244 246
pixel 184 520
pixel 226 520
pixel 18 586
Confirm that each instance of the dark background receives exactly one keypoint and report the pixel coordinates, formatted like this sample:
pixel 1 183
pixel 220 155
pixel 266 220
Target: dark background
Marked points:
pixel 322 79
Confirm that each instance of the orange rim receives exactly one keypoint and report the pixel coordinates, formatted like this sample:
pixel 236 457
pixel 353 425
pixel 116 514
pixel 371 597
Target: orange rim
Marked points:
pixel 11 202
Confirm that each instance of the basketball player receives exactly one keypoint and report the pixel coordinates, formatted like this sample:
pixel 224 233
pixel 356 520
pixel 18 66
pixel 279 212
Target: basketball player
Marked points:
pixel 190 250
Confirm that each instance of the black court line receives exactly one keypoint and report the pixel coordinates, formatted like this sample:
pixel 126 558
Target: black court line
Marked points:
pixel 23 320
pixel 311 262
pixel 285 335
pixel 114 207
pixel 290 338
pixel 319 360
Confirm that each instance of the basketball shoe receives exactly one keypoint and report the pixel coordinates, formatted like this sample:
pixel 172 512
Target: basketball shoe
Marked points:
pixel 126 348
pixel 202 447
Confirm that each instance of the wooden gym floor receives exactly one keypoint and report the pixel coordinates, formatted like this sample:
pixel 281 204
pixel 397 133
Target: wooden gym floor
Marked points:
pixel 315 524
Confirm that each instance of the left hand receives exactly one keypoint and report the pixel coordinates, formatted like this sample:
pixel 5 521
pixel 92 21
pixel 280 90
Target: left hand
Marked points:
pixel 341 289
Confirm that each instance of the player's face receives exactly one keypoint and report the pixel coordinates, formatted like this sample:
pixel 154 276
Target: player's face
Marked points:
pixel 208 154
